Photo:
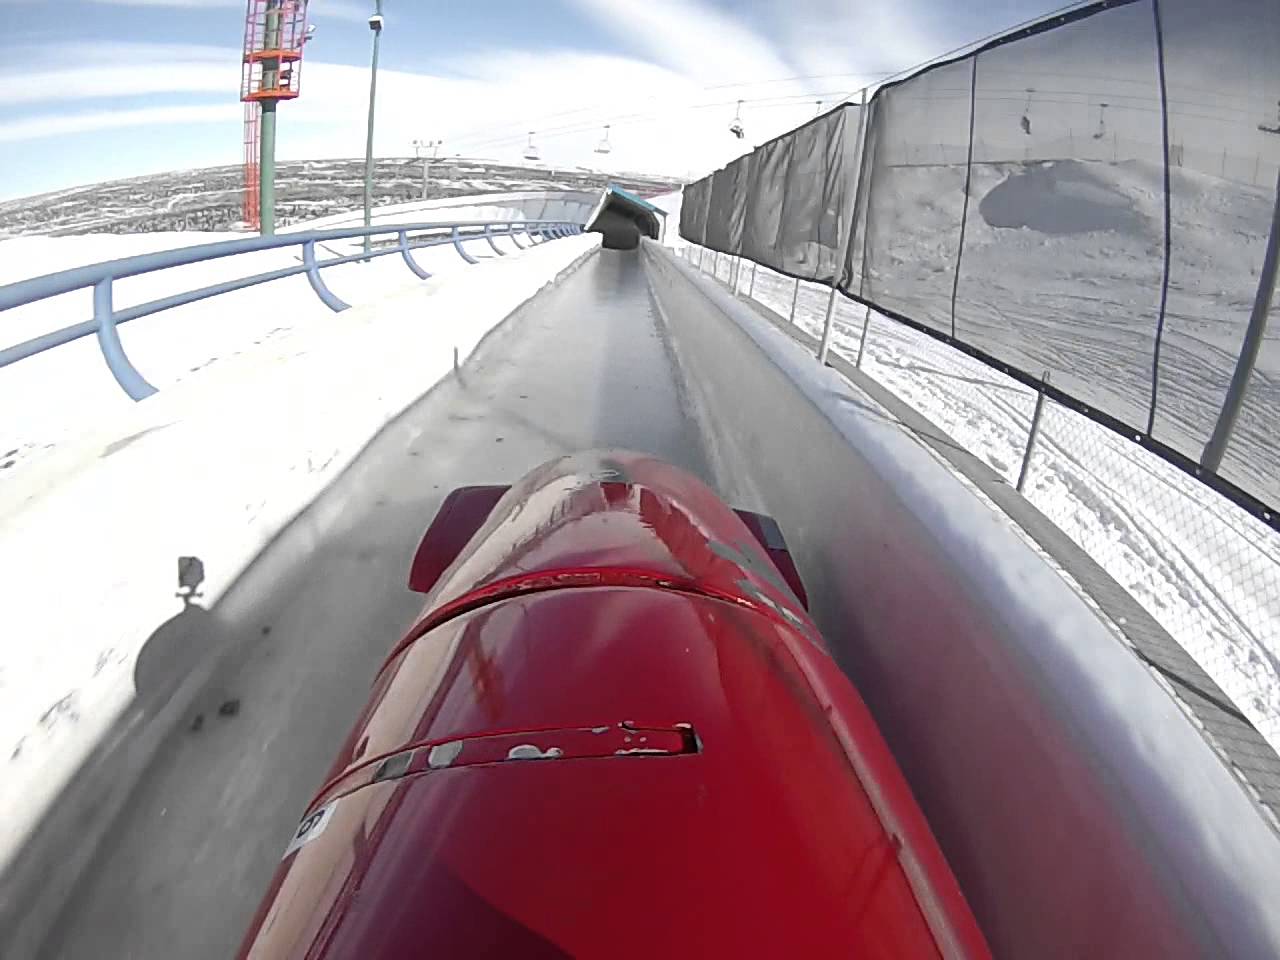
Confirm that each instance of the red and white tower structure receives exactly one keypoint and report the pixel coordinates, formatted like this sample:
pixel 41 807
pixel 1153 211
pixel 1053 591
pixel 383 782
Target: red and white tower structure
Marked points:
pixel 275 32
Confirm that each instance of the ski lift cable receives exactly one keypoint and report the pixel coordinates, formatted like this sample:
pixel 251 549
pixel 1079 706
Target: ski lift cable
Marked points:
pixel 842 95
pixel 790 100
pixel 500 129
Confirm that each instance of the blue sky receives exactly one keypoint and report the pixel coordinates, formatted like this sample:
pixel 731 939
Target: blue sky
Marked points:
pixel 99 89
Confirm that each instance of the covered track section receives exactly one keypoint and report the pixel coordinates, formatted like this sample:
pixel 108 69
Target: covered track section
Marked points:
pixel 622 219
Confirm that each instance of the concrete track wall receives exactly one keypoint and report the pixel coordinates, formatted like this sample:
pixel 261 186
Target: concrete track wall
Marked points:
pixel 1083 812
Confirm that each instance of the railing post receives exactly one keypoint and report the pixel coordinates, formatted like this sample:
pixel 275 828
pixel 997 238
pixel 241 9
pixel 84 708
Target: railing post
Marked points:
pixel 411 263
pixel 794 297
pixel 862 344
pixel 457 245
pixel 1033 434
pixel 488 235
pixel 511 233
pixel 751 286
pixel 131 381
pixel 1216 448
pixel 851 215
pixel 317 284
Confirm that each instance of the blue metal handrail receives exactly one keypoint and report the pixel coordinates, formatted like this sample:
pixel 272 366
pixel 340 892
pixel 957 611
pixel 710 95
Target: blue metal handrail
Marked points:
pixel 101 276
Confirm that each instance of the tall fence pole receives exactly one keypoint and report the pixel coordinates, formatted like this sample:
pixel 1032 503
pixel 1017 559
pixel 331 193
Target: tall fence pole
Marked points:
pixel 862 343
pixel 751 285
pixel 851 213
pixel 1033 434
pixel 375 24
pixel 1217 445
pixel 794 297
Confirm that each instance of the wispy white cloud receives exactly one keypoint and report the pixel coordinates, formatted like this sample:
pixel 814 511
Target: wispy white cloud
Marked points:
pixel 318 9
pixel 668 92
pixel 99 83
pixel 352 10
pixel 690 37
pixel 183 4
pixel 36 128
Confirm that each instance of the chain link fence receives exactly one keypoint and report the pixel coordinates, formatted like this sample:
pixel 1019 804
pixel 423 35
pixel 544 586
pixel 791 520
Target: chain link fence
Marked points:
pixel 1205 569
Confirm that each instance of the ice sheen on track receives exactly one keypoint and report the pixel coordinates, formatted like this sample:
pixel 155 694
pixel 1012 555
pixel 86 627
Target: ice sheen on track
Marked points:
pixel 1208 572
pixel 585 365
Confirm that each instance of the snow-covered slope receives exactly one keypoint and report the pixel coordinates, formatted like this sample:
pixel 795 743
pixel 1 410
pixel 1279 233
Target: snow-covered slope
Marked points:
pixel 285 395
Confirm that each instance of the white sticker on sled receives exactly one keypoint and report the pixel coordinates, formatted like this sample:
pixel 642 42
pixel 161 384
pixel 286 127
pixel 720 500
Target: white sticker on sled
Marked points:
pixel 311 827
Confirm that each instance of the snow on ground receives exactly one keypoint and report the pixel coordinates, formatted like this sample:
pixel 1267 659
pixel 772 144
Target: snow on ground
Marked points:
pixel 1205 570
pixel 266 395
pixel 55 390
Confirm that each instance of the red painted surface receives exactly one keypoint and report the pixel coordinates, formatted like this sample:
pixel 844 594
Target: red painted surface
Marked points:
pixel 705 781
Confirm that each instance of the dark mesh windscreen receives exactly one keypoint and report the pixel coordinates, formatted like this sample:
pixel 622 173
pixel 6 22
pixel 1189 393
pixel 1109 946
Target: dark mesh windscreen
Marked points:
pixel 693 210
pixel 1017 201
pixel 916 197
pixel 728 202
pixel 817 179
pixel 784 205
pixel 761 239
pixel 1062 262
pixel 1223 77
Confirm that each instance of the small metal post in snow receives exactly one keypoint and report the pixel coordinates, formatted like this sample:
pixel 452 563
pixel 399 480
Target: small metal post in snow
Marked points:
pixel 794 297
pixel 1215 450
pixel 1033 435
pixel 850 215
pixel 862 343
pixel 751 285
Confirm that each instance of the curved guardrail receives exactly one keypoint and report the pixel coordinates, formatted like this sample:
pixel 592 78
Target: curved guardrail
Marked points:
pixel 101 276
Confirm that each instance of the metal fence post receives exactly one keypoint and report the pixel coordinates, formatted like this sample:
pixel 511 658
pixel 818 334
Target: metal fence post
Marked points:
pixel 408 258
pixel 862 344
pixel 1217 445
pixel 457 245
pixel 751 285
pixel 336 304
pixel 794 297
pixel 131 381
pixel 1033 434
pixel 851 211
pixel 488 235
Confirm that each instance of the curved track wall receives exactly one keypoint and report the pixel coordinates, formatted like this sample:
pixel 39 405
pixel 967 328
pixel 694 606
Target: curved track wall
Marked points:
pixel 1082 810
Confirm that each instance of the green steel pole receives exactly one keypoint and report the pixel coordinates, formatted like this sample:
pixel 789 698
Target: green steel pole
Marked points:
pixel 376 26
pixel 267 170
pixel 267 159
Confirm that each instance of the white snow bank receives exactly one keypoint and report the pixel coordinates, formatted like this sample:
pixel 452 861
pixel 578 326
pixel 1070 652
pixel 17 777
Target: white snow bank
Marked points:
pixel 64 392
pixel 213 467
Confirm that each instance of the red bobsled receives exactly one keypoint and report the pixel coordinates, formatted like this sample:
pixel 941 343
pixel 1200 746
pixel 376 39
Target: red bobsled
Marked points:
pixel 614 732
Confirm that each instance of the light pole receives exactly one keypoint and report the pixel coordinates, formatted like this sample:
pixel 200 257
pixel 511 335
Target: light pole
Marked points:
pixel 418 147
pixel 375 24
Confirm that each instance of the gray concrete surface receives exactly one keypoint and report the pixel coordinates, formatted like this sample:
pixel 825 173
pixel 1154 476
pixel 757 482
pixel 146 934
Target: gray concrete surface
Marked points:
pixel 584 364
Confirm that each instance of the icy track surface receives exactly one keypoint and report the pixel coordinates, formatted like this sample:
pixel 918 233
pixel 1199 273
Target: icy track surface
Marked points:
pixel 265 398
pixel 1205 570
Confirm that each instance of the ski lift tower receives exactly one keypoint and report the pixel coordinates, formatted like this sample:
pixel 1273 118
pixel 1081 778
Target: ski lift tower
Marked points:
pixel 271 70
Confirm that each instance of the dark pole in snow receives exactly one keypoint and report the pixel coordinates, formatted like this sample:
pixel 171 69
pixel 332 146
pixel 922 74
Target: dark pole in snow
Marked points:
pixel 851 213
pixel 375 24
pixel 1217 445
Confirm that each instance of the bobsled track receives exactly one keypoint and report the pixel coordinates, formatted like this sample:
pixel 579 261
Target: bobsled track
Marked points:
pixel 1089 789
